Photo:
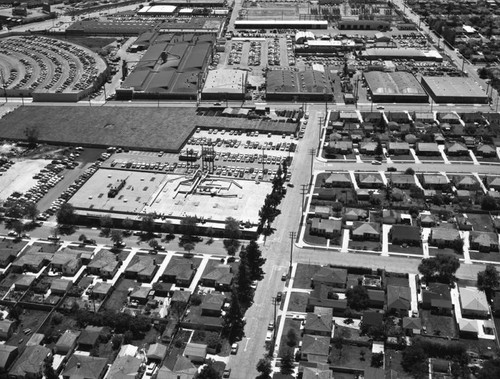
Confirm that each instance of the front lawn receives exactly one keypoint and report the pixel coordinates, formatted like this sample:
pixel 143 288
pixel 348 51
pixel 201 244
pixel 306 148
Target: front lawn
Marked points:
pixel 481 222
pixel 442 326
pixel 313 240
pixel 354 357
pixel 476 255
pixel 303 275
pixel 365 245
pixel 416 250
pixel 298 302
pixel 294 325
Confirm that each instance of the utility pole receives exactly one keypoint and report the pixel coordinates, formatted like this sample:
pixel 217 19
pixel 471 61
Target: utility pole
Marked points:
pixel 312 153
pixel 304 190
pixel 274 301
pixel 320 126
pixel 293 235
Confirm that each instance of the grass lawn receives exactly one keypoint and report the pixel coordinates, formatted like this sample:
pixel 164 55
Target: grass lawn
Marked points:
pixel 480 222
pixel 481 346
pixel 487 159
pixel 493 256
pixel 303 275
pixel 351 357
pixel 365 245
pixel 313 240
pixel 290 324
pixel 463 158
pixel 350 334
pixel 30 319
pixel 436 158
pixel 442 326
pixel 405 157
pixel 433 251
pixel 298 302
pixel 393 361
pixel 118 297
pixel 417 250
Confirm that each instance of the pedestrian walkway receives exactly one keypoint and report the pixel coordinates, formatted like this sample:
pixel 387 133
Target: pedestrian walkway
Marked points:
pixel 345 239
pixel 443 154
pixel 199 273
pixel 464 234
pixel 473 157
pixel 425 241
pixel 412 279
pixel 483 187
pixel 385 239
pixel 414 155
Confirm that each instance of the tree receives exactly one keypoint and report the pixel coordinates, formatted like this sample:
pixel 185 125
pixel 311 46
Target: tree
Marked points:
pixel 116 341
pixel 18 227
pixel 82 238
pixel 153 244
pixel 488 280
pixel 244 290
pixel 15 312
pixel 31 134
pixel 379 150
pixel 490 370
pixel 441 268
pixel 231 245
pixel 377 360
pixel 188 225
pixel 31 211
pixel 208 371
pixel 254 260
pixel 488 203
pixel 357 298
pixel 127 224
pixel 214 341
pixel 410 171
pixel 48 370
pixel 232 232
pixel 291 338
pixel 148 223
pixel 414 360
pixel 66 214
pixel 287 366
pixel 233 323
pixel 265 368
pixel 116 237
pixel 188 246
pixel 106 222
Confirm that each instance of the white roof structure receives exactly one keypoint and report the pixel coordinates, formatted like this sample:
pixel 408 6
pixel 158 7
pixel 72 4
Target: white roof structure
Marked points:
pixel 157 9
pixel 225 81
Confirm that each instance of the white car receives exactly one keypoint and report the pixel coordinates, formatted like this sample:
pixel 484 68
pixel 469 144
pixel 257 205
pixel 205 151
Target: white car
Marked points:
pixel 269 336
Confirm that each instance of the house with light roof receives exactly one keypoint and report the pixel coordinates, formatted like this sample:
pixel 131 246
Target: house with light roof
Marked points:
pixel 473 303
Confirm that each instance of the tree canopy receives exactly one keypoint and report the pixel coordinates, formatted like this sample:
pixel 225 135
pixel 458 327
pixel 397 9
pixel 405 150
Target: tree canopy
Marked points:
pixel 357 298
pixel 66 214
pixel 488 279
pixel 441 268
pixel 252 256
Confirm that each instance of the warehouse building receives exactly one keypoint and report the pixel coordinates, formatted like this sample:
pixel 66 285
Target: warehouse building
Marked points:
pixel 390 87
pixel 364 25
pixel 281 24
pixel 306 85
pixel 398 53
pixel 447 89
pixel 157 10
pixel 225 84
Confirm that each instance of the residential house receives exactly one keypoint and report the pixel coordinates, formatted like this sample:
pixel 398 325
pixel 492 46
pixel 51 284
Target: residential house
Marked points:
pixel 319 372
pixel 27 366
pixel 156 352
pixel 399 117
pixel 315 348
pixel 7 327
pixel 370 181
pixel 465 195
pixel 372 318
pixel 105 264
pixel 427 149
pixel 494 182
pixel 66 344
pixel 486 151
pixel 89 337
pixel 398 299
pixel 212 303
pixel 128 349
pixel 373 117
pixel 24 282
pixel 319 324
pixel 101 290
pixel 427 220
pixel 391 216
pixel 402 181
pixel 463 223
pixel 425 117
pixel 450 118
pixel 219 277
pixel 7 356
pixel 410 235
pixel 337 179
pixel 362 231
pixel 140 295
pixel 35 339
pixel 126 367
pixel 355 214
pixel 322 211
pixel 457 149
pixel 473 302
pixel 483 241
pixel 398 148
pixel 437 298
pixel 340 147
pixel 434 181
pixel 32 260
pixel 368 148
pixel 412 326
pixel 85 367
pixel 323 193
pixel 66 261
pixel 196 352
pixel 8 254
pixel 468 328
pixel 441 236
pixel 333 277
pixel 142 267
pixel 60 286
pixel 467 182
pixel 179 271
pixel 177 367
pixel 376 298
pixel 326 228
pixel 472 118
pixel 325 296
pixel 180 297
pixel 349 116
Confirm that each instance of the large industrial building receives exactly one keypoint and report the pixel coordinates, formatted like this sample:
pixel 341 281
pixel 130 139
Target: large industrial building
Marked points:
pixel 446 89
pixel 169 69
pixel 305 85
pixel 398 53
pixel 225 84
pixel 281 24
pixel 390 87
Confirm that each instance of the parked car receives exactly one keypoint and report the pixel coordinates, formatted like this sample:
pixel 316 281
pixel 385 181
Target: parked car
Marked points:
pixel 53 238
pixel 227 373
pixel 234 348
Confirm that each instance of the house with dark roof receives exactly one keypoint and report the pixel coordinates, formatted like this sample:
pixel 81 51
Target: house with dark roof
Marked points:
pixel 466 182
pixel 7 356
pixel 125 367
pixel 372 318
pixel 398 148
pixel 319 324
pixel 315 348
pixel 486 151
pixel 89 337
pixel 24 282
pixel 101 290
pixel 7 327
pixel 333 277
pixel 105 264
pixel 212 303
pixel 340 147
pixel 412 326
pixel 434 181
pixel 195 352
pixel 427 149
pixel 400 234
pixel 473 302
pixel 85 367
pixel 156 352
pixel 337 179
pixel 376 298
pixel 140 295
pixel 398 299
pixel 180 297
pixel 27 366
pixel 60 286
pixel 441 236
pixel 483 241
pixel 370 181
pixel 327 228
pixel 402 181
pixel 66 261
pixel 8 252
pixel 67 342
pixel 179 271
pixel 219 277
pixel 142 267
pixel 355 214
pixel 362 231
pixel 32 260
pixel 324 296
pixel 437 298
pixel 177 367
pixel 457 149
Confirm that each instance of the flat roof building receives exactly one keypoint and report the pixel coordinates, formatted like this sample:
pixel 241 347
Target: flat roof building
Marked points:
pixel 396 86
pixel 399 53
pixel 281 24
pixel 225 84
pixel 301 85
pixel 447 89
